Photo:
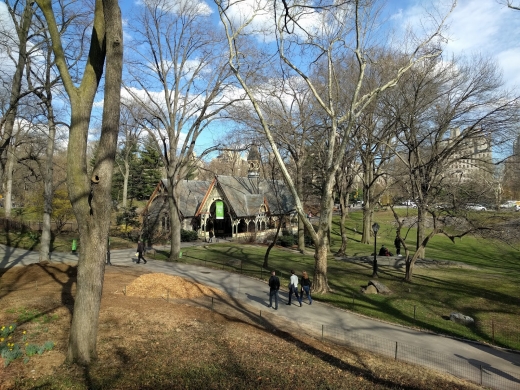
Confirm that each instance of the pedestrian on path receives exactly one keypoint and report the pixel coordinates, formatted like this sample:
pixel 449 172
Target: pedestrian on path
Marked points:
pixel 306 286
pixel 274 286
pixel 140 250
pixel 211 234
pixel 397 244
pixel 293 288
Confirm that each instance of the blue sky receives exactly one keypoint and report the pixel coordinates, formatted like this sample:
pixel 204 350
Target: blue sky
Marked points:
pixel 483 27
pixel 475 26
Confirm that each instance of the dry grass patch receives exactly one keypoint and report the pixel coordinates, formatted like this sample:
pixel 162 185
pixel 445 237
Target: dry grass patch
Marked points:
pixel 148 343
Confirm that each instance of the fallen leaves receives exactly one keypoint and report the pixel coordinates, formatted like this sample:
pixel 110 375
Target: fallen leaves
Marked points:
pixel 158 285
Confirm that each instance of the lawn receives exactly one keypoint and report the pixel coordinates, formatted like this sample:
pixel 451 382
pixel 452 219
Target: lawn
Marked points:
pixel 485 285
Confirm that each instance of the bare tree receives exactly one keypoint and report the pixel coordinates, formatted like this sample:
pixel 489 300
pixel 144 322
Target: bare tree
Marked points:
pixel 44 82
pixel 129 134
pixel 336 33
pixel 345 179
pixel 447 117
pixel 21 13
pixel 180 55
pixel 90 195
pixel 286 104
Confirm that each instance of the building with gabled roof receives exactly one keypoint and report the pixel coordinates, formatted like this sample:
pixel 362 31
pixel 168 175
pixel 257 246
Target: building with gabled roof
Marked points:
pixel 230 206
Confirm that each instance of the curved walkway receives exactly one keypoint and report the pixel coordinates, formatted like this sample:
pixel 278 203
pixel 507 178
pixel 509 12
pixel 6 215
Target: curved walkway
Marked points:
pixel 490 366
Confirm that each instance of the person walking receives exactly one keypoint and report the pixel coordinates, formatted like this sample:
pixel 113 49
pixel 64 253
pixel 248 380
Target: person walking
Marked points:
pixel 140 250
pixel 306 286
pixel 397 244
pixel 274 286
pixel 211 234
pixel 293 288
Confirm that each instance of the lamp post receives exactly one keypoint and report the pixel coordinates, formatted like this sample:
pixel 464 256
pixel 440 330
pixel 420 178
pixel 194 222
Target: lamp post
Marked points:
pixel 375 229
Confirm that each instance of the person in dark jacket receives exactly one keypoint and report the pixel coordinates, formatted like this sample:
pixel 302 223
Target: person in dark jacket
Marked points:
pixel 140 250
pixel 384 251
pixel 397 244
pixel 306 286
pixel 274 286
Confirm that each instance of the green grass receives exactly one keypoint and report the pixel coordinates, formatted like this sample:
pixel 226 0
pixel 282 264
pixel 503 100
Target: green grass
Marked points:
pixel 488 291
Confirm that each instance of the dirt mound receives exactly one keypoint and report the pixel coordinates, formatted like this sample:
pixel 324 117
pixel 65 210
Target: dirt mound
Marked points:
pixel 168 286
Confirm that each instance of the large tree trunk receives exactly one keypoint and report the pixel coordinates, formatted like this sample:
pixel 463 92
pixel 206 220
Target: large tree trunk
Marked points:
pixel 322 243
pixel 48 188
pixel 320 284
pixel 91 269
pixel 367 223
pixel 175 222
pixel 90 196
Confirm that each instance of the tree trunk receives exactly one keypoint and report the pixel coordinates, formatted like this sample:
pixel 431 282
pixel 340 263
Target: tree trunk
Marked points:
pixel 271 245
pixel 48 188
pixel 175 222
pixel 320 284
pixel 90 196
pixel 367 224
pixel 7 126
pixel 299 189
pixel 409 269
pixel 342 230
pixel 410 263
pixel 91 270
pixel 421 214
pixel 126 175
pixel 8 201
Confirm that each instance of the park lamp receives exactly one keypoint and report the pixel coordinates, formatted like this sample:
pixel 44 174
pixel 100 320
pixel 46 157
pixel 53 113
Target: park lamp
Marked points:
pixel 375 229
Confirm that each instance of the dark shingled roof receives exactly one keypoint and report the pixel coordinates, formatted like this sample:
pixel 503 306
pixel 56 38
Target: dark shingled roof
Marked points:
pixel 245 198
pixel 191 193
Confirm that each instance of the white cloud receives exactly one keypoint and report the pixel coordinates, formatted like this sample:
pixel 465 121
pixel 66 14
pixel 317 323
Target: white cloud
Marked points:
pixel 263 23
pixel 175 6
pixel 489 28
pixel 484 27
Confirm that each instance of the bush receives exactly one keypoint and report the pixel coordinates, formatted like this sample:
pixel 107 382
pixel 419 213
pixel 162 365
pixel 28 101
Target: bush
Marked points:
pixel 286 240
pixel 189 235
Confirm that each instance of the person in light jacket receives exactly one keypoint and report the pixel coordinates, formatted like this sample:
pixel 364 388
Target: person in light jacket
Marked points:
pixel 293 288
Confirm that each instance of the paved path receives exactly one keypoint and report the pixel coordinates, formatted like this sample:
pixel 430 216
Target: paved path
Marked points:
pixel 493 367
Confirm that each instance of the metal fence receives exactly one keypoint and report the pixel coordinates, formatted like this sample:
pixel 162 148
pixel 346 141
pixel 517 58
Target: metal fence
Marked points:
pixel 475 371
pixel 18 225
pixel 472 370
pixel 493 331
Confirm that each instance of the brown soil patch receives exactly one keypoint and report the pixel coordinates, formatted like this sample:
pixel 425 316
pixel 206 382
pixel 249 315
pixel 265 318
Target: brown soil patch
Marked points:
pixel 164 286
pixel 148 342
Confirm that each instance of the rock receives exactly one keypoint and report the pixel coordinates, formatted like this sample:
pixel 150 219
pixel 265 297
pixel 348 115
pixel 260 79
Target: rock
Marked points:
pixel 370 289
pixel 381 288
pixel 460 318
